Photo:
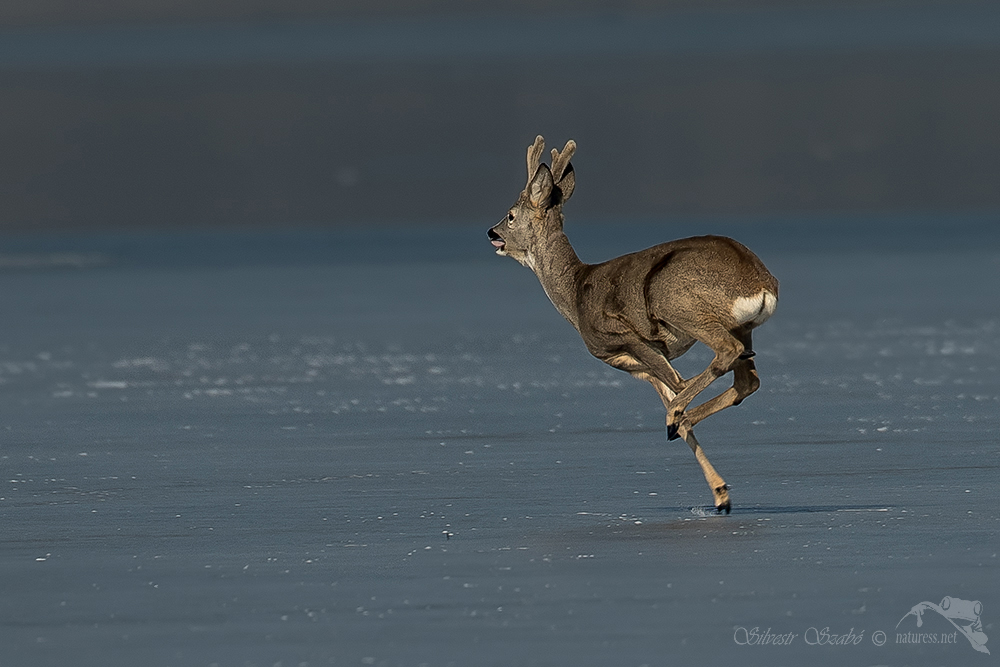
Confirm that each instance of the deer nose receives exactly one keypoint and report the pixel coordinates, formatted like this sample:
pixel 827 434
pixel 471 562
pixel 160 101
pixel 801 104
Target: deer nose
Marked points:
pixel 493 235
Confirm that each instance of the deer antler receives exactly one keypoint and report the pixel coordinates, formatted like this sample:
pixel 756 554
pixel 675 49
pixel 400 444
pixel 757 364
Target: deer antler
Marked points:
pixel 535 151
pixel 561 160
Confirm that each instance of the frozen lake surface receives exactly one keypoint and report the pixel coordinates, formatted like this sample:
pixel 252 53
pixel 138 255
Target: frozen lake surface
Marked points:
pixel 385 447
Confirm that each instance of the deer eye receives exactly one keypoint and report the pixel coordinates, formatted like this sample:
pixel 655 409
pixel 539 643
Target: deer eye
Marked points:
pixel 510 217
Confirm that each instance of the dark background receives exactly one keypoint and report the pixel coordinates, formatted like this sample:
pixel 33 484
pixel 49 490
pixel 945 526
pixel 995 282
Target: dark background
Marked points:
pixel 127 114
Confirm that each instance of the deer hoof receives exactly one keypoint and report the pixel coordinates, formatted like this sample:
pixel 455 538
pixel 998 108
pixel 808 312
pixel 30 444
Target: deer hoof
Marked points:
pixel 673 431
pixel 722 504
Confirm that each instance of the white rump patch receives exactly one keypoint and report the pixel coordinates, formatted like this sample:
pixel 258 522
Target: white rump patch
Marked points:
pixel 755 309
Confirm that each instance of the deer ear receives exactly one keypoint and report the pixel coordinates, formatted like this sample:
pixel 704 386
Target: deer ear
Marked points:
pixel 540 188
pixel 567 184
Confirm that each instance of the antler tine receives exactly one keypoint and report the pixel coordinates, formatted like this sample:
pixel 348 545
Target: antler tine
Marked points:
pixel 561 160
pixel 535 151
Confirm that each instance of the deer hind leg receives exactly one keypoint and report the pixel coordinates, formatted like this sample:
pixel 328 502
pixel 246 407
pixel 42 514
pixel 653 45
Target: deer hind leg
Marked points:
pixel 720 490
pixel 745 382
pixel 727 350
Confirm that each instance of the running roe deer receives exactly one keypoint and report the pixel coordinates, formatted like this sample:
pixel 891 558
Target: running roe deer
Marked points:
pixel 639 311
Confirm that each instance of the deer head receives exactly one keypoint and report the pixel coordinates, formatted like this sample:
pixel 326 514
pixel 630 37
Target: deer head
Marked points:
pixel 537 213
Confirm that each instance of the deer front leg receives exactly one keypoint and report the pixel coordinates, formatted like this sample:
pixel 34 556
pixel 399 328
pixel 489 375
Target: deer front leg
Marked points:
pixel 720 490
pixel 646 364
pixel 668 384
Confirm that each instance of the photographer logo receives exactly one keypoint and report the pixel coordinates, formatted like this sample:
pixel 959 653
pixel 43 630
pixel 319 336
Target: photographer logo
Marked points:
pixel 963 614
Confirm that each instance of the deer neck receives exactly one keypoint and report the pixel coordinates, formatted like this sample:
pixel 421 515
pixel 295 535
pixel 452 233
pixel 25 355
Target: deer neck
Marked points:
pixel 557 267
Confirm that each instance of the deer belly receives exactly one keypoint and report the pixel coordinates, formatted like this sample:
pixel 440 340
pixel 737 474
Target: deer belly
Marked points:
pixel 755 309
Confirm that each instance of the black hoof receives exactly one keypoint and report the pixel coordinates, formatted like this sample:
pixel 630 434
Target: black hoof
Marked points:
pixel 748 354
pixel 673 432
pixel 724 507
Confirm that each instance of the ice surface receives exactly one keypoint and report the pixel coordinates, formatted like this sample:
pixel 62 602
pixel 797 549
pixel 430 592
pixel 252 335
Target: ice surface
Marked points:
pixel 349 448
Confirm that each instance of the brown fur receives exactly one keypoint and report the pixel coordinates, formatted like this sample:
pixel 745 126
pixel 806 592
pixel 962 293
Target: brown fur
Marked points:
pixel 641 310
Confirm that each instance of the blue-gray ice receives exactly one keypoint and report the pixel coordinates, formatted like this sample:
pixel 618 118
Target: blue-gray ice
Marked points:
pixel 385 447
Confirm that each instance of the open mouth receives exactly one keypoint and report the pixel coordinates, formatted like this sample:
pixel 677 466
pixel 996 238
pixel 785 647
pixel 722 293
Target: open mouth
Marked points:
pixel 497 242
